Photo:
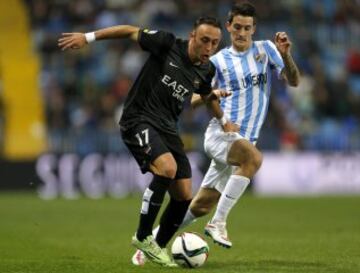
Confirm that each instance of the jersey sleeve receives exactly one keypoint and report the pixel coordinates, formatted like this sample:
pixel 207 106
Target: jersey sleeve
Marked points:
pixel 155 42
pixel 206 84
pixel 275 59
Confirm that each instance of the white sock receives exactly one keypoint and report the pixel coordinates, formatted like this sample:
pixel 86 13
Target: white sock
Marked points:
pixel 155 231
pixel 234 188
pixel 188 219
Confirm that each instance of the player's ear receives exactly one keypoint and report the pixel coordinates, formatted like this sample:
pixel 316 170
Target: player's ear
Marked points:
pixel 192 34
pixel 254 29
pixel 228 26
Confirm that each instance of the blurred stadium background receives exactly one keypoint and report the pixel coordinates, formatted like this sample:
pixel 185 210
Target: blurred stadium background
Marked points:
pixel 59 111
pixel 59 138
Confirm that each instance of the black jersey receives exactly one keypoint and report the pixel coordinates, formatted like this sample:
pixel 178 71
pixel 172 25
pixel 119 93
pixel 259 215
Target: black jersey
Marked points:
pixel 166 81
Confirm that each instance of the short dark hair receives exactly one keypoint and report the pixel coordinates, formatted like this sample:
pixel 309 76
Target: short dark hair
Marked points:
pixel 207 20
pixel 244 9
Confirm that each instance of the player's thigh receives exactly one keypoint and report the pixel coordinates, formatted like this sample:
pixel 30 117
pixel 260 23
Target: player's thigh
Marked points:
pixel 146 145
pixel 217 176
pixel 241 152
pixel 217 143
pixel 181 189
pixel 176 147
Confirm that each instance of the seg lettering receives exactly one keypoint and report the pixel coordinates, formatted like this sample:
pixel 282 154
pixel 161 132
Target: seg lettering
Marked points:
pixel 95 176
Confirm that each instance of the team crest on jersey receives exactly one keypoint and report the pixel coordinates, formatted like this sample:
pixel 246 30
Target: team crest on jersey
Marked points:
pixel 260 57
pixel 197 83
pixel 150 31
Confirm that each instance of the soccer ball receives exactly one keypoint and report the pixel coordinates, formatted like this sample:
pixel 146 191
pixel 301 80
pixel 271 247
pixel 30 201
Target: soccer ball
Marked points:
pixel 190 250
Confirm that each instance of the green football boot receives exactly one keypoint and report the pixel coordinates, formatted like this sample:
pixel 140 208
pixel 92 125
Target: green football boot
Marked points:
pixel 153 251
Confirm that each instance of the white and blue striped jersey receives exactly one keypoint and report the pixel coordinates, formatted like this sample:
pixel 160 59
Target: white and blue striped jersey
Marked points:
pixel 248 76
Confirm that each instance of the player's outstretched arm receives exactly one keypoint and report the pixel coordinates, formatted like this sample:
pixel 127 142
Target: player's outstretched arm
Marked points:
pixel 77 40
pixel 212 102
pixel 290 71
pixel 216 94
pixel 196 101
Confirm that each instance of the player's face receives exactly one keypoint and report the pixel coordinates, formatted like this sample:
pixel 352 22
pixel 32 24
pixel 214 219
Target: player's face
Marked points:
pixel 204 41
pixel 241 31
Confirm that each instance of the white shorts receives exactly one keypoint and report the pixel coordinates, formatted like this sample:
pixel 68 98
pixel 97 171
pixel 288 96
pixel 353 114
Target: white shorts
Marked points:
pixel 217 144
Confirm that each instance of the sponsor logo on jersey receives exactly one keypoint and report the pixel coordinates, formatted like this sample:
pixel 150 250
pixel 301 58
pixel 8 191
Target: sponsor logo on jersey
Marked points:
pixel 260 57
pixel 253 80
pixel 179 91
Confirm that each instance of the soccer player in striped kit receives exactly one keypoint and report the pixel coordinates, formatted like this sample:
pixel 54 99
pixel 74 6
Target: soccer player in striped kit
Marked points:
pixel 245 69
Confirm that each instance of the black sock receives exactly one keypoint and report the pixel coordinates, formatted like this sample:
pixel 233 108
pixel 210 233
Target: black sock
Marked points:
pixel 171 220
pixel 151 203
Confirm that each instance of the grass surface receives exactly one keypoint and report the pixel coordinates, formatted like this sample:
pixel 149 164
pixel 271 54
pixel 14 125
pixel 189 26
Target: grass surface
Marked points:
pixel 269 235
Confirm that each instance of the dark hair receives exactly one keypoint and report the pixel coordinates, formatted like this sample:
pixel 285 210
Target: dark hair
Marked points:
pixel 207 20
pixel 244 9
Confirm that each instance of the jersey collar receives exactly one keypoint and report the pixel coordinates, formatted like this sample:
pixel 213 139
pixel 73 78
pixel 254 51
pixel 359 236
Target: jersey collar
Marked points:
pixel 234 52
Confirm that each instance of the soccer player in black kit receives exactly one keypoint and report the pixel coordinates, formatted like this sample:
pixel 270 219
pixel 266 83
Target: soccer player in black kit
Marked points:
pixel 174 71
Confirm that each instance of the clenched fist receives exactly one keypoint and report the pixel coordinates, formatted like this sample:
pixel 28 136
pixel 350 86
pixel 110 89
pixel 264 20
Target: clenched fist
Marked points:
pixel 282 43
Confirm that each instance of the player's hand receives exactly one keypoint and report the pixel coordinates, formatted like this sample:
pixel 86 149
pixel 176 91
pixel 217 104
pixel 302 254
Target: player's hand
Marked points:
pixel 219 93
pixel 74 40
pixel 283 43
pixel 231 127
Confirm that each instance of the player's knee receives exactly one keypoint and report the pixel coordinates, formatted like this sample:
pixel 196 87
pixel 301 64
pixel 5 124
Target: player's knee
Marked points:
pixel 165 165
pixel 233 161
pixel 252 164
pixel 256 159
pixel 169 170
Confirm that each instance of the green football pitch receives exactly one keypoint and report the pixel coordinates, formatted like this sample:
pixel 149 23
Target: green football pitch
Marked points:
pixel 93 236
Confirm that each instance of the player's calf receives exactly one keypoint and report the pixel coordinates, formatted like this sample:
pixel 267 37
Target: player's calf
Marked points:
pixel 204 201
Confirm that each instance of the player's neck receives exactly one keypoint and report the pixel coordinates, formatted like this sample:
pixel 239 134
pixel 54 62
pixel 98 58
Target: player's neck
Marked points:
pixel 192 56
pixel 194 60
pixel 241 49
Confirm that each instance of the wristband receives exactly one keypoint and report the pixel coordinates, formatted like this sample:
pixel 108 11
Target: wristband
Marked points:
pixel 90 37
pixel 222 120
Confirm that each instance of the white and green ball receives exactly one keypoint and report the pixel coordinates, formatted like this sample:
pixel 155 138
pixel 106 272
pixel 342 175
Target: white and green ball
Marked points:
pixel 190 250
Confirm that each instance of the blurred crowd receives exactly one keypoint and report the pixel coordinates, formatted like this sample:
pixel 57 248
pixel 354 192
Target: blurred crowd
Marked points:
pixel 84 90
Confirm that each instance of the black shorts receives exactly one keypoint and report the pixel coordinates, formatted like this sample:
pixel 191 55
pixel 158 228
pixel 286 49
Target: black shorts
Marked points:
pixel 146 143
